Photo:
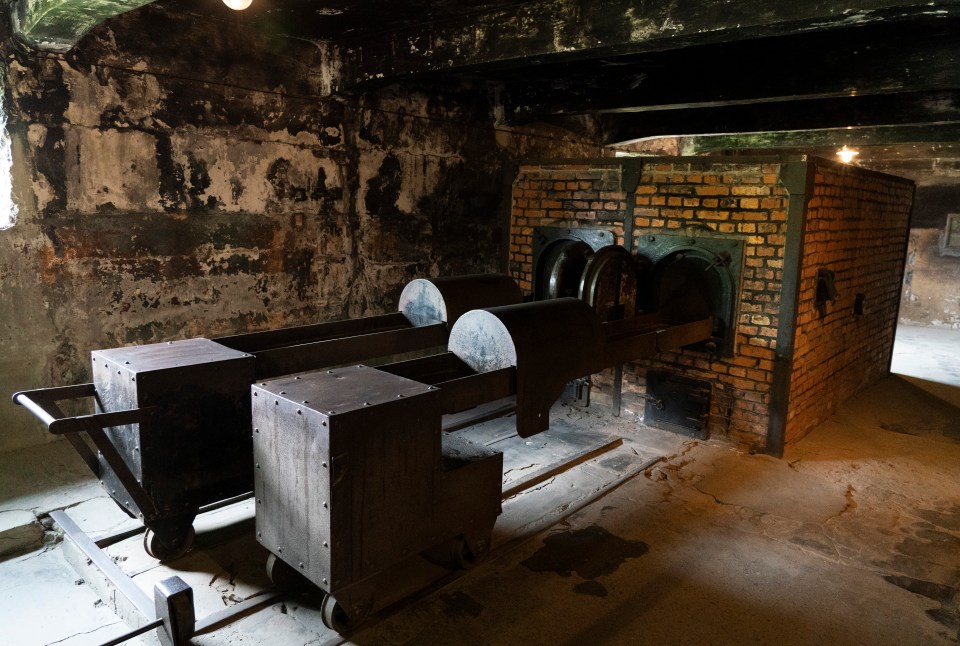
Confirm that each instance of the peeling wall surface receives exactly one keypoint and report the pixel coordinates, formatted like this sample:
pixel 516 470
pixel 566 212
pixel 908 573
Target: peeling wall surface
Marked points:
pixel 931 283
pixel 174 181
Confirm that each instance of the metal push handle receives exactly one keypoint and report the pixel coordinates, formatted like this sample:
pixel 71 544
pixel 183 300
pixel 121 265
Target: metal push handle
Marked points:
pixel 43 404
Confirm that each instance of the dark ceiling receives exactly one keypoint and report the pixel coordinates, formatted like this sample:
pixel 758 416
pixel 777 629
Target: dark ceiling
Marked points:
pixel 725 75
pixel 338 19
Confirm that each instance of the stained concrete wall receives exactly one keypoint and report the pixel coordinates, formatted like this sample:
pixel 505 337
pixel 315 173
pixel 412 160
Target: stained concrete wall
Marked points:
pixel 175 181
pixel 931 282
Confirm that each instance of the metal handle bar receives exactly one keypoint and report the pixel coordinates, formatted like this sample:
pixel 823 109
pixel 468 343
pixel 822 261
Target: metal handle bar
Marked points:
pixel 43 404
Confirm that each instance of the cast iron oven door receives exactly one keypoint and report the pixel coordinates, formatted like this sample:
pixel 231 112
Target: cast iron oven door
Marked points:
pixel 694 277
pixel 560 257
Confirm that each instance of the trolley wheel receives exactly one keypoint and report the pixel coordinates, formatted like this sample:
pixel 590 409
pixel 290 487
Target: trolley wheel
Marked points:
pixel 462 554
pixel 454 554
pixel 335 617
pixel 283 575
pixel 166 547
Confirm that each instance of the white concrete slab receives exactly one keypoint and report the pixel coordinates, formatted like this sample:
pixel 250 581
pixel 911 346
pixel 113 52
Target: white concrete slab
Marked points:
pixel 930 358
pixel 35 481
pixel 43 601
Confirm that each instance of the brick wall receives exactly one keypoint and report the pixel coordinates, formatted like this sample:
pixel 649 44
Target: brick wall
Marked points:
pixel 854 223
pixel 744 200
pixel 576 196
pixel 856 226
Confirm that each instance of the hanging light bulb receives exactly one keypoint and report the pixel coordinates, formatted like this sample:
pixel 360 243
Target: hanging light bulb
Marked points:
pixel 238 5
pixel 846 155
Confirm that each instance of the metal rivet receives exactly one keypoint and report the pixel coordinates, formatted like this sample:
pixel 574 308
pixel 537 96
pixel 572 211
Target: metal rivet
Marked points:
pixel 258 464
pixel 304 402
pixel 323 464
pixel 329 372
pixel 256 430
pixel 297 378
pixel 260 500
pixel 324 504
pixel 324 580
pixel 301 566
pixel 325 544
pixel 126 363
pixel 331 412
pixel 254 394
pixel 323 423
pixel 259 535
pixel 299 412
pixel 276 402
pixel 399 396
pixel 279 550
pixel 283 392
pixel 366 403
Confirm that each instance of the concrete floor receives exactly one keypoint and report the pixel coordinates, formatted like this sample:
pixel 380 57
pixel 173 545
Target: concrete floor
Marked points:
pixel 852 538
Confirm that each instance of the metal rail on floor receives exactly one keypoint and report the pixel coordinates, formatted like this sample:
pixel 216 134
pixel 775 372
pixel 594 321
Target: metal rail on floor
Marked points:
pixel 171 610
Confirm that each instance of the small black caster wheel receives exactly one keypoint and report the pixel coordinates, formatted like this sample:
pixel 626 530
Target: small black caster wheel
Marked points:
pixel 454 554
pixel 461 555
pixel 283 575
pixel 335 617
pixel 167 547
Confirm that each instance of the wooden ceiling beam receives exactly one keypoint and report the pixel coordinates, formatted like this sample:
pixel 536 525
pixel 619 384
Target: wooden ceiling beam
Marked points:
pixel 898 109
pixel 875 60
pixel 540 32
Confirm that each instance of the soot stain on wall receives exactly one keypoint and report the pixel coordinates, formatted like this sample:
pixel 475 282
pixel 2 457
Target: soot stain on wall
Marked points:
pixel 383 190
pixel 189 204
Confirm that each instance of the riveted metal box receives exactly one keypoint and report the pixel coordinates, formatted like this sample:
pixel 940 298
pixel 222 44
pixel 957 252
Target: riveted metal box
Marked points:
pixel 193 447
pixel 347 462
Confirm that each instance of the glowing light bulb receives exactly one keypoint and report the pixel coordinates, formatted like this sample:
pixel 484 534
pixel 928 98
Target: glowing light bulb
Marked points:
pixel 846 155
pixel 238 5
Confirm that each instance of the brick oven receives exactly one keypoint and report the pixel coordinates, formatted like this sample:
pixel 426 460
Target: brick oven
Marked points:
pixel 799 260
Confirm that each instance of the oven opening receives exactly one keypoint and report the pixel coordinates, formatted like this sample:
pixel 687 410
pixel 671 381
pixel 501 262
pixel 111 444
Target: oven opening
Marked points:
pixel 682 278
pixel 692 277
pixel 690 285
